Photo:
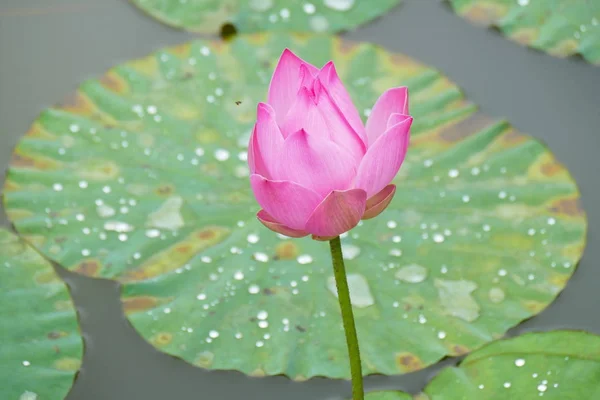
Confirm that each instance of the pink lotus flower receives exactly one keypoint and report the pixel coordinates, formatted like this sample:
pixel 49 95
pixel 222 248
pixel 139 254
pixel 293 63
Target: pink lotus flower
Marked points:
pixel 315 168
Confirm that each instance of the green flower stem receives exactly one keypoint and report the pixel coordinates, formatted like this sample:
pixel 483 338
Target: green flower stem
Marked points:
pixel 339 272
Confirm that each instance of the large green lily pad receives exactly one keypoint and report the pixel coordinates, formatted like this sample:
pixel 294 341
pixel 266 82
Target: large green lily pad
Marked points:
pixel 142 178
pixel 554 365
pixel 41 348
pixel 559 27
pixel 209 16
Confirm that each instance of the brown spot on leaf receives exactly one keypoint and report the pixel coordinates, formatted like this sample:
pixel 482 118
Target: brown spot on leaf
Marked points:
pixel 97 169
pixel 535 307
pixel 400 60
pixel 287 250
pixel 207 234
pixel 25 161
pixel 161 339
pixel 204 359
pixel 88 268
pixel 345 46
pixel 465 128
pixel 564 48
pixel 551 168
pixel 182 50
pixel 185 248
pixel 459 350
pixel 484 13
pixel 67 364
pixel 571 207
pixel 56 335
pixel 21 161
pixel 165 190
pixel 559 280
pixel 524 36
pixel 72 101
pixel 114 82
pixel 36 131
pixel 77 103
pixel 10 186
pixel 138 304
pixel 513 137
pixel 408 362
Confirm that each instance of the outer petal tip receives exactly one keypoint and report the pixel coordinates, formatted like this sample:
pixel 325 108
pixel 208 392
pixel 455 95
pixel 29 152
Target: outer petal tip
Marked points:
pixel 397 118
pixel 384 158
pixel 378 203
pixel 339 212
pixel 264 107
pixel 333 84
pixel 394 100
pixel 285 82
pixel 275 226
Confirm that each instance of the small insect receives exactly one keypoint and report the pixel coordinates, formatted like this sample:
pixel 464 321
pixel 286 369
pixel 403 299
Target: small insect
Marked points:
pixel 237 103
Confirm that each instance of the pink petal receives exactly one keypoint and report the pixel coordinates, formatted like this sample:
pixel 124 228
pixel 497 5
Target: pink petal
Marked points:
pixel 285 83
pixel 332 82
pixel 392 101
pixel 315 112
pixel 304 114
pixel 384 158
pixel 289 203
pixel 316 163
pixel 255 159
pixel 267 141
pixel 396 118
pixel 338 126
pixel 339 212
pixel 252 158
pixel 306 77
pixel 379 202
pixel 275 226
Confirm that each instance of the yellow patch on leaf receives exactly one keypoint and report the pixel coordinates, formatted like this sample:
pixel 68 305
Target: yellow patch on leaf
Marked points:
pixel 178 254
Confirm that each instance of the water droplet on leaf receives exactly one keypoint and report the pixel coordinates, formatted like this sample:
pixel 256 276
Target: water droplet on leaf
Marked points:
pixel 360 293
pixel 413 273
pixel 455 297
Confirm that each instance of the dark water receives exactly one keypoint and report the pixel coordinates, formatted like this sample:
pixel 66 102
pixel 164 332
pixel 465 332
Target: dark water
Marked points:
pixel 43 57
